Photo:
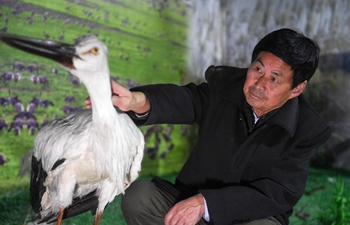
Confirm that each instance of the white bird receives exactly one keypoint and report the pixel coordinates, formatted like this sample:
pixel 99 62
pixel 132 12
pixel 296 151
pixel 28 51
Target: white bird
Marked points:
pixel 83 160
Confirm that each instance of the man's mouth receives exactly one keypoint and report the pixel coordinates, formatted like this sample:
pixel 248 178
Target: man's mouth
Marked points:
pixel 257 94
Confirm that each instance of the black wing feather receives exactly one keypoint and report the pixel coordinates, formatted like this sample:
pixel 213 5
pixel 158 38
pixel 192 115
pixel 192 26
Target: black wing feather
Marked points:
pixel 78 206
pixel 37 189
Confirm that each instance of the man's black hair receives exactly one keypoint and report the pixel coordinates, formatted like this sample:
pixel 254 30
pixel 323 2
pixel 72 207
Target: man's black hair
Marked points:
pixel 298 51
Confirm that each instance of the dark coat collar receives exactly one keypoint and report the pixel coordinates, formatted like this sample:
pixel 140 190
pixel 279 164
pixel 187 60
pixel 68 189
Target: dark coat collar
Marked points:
pixel 286 116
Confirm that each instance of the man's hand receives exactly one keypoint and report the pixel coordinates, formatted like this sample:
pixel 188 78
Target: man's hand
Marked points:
pixel 188 211
pixel 126 100
pixel 122 97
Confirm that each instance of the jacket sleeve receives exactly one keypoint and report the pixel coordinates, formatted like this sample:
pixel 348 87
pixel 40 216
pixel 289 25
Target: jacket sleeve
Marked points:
pixel 270 195
pixel 187 104
pixel 173 104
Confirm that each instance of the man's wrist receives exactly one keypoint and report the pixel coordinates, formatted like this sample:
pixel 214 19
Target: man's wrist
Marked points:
pixel 141 116
pixel 206 212
pixel 141 105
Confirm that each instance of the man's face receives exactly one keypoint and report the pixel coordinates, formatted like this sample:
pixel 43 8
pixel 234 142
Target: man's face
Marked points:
pixel 268 84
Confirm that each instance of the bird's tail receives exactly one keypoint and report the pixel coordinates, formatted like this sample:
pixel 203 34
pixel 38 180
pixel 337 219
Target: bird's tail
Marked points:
pixel 78 206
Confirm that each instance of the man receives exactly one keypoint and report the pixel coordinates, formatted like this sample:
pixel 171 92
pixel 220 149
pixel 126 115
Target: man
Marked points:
pixel 256 135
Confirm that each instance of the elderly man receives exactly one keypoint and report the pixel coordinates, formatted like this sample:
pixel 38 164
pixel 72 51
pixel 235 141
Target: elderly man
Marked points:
pixel 257 132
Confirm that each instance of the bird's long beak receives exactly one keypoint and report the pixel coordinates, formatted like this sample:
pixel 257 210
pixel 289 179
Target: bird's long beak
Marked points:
pixel 57 51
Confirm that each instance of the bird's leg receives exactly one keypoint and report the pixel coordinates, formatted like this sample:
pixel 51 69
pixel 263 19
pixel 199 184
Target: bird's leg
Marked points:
pixel 60 216
pixel 97 218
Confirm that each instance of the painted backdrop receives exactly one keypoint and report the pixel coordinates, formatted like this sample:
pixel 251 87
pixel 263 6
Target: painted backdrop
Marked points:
pixel 147 44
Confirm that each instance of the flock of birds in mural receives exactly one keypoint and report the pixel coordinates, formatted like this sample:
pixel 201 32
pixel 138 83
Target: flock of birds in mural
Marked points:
pixel 24 115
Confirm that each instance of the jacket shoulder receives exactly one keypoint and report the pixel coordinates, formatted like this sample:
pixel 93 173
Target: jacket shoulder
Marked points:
pixel 311 121
pixel 308 112
pixel 223 74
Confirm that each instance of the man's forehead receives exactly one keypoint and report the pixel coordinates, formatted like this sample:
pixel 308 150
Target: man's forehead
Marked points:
pixel 274 63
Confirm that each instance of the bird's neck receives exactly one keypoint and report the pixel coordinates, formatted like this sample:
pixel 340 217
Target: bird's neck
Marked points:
pixel 104 122
pixel 99 89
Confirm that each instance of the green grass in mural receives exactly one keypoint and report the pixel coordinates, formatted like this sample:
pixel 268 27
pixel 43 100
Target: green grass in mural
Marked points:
pixel 13 148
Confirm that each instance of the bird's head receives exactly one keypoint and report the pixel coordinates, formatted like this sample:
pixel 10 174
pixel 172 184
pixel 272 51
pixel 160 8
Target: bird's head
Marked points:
pixel 91 55
pixel 87 55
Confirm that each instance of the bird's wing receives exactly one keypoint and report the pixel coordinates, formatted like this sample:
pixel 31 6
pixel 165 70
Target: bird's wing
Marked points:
pixel 54 145
pixel 63 138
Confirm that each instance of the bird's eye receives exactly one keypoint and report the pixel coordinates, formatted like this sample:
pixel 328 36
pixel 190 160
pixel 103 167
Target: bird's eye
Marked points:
pixel 94 51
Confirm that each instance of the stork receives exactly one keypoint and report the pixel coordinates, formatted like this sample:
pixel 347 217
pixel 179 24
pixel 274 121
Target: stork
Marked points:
pixel 83 160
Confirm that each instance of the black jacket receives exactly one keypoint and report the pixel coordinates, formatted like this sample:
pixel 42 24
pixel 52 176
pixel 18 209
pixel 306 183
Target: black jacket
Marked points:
pixel 243 175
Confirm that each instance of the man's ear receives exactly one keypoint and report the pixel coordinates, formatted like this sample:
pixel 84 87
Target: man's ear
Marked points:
pixel 298 89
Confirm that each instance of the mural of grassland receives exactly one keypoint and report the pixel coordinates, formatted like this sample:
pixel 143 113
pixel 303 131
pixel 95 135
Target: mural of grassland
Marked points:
pixel 147 44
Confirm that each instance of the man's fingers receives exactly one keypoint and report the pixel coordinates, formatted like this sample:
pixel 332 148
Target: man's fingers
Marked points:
pixel 87 103
pixel 116 87
pixel 114 99
pixel 170 219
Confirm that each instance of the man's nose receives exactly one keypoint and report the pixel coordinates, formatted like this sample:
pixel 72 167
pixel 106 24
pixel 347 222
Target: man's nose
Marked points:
pixel 261 82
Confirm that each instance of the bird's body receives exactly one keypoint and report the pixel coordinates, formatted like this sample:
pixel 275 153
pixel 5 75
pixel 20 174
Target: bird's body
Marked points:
pixel 88 159
pixel 89 154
